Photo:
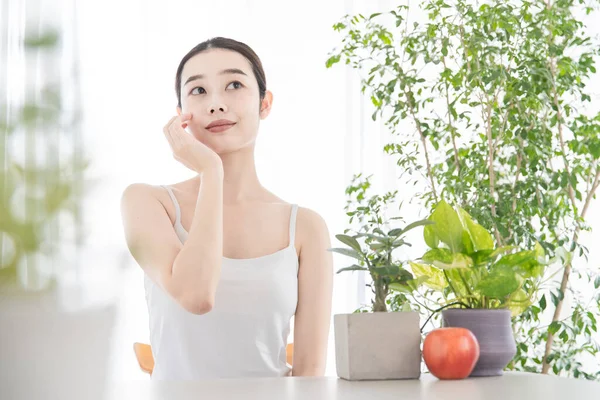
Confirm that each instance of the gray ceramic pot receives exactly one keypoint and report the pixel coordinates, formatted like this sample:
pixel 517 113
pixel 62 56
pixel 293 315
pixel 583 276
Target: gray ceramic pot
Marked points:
pixel 493 331
pixel 377 346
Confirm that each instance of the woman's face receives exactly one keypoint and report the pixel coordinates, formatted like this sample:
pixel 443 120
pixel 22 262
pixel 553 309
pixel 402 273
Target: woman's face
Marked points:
pixel 219 84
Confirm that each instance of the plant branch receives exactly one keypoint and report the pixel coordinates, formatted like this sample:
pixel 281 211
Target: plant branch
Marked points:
pixel 423 142
pixel 492 175
pixel 565 280
pixel 440 309
pixel 452 131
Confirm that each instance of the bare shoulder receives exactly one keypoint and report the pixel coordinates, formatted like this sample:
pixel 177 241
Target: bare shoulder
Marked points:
pixel 135 192
pixel 312 229
pixel 140 192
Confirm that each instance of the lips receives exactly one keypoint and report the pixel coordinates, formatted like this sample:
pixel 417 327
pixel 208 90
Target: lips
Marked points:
pixel 220 123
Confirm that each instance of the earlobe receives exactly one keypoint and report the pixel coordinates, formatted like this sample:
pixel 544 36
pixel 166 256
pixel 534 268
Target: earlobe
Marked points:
pixel 178 109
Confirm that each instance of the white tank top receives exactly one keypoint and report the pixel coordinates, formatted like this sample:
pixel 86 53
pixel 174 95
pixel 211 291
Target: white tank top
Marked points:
pixel 244 335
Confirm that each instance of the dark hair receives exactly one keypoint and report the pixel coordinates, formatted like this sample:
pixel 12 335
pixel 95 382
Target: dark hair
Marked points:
pixel 227 44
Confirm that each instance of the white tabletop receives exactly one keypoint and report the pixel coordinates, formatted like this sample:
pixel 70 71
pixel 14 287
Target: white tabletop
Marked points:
pixel 511 386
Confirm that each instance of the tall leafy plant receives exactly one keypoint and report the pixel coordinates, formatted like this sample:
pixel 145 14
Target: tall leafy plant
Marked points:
pixel 373 244
pixel 491 109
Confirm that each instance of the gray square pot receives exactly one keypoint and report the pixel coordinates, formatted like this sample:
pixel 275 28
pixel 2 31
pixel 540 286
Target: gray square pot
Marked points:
pixel 377 346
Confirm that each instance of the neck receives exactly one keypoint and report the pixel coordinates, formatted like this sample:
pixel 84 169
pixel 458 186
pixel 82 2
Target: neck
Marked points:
pixel 240 180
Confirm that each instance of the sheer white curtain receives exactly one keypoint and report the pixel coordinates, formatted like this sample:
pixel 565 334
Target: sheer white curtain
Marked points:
pixel 318 135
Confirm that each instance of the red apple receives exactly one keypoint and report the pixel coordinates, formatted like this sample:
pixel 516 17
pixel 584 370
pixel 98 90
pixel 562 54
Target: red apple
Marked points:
pixel 450 353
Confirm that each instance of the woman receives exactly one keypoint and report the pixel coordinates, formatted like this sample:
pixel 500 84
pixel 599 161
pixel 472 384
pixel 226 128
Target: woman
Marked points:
pixel 227 263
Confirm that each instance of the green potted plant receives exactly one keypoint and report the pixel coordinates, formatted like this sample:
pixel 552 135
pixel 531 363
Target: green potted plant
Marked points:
pixel 481 285
pixel 375 343
pixel 53 338
pixel 488 103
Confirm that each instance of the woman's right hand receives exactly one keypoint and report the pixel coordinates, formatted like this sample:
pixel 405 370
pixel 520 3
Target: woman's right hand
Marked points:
pixel 188 150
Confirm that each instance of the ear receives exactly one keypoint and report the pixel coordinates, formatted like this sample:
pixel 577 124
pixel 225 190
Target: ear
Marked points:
pixel 178 109
pixel 266 104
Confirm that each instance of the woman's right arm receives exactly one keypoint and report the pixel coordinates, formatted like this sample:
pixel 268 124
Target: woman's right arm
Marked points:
pixel 188 272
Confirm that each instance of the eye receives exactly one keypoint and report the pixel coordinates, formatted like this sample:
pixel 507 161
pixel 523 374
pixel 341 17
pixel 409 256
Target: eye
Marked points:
pixel 199 88
pixel 238 84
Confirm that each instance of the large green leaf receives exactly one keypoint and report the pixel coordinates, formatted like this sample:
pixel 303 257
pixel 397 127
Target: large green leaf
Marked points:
pixel 498 284
pixel 458 261
pixel 524 262
pixel 480 237
pixel 447 228
pixel 434 277
pixel 467 242
pixel 430 237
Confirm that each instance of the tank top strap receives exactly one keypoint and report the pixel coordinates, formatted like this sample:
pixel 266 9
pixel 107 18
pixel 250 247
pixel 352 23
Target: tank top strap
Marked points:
pixel 176 203
pixel 293 224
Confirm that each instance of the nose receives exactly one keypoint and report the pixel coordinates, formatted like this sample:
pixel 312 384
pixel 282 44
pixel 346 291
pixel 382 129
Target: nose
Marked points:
pixel 213 108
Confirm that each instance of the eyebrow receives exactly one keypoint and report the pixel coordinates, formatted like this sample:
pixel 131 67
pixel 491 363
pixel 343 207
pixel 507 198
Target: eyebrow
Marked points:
pixel 224 72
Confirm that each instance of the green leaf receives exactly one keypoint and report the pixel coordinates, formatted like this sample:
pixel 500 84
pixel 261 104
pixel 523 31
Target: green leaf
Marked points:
pixel 349 241
pixel 539 250
pixel 380 239
pixel 480 237
pixel 430 237
pixel 501 250
pixel 458 261
pixel 352 268
pixel 347 252
pixel 332 60
pixel 377 246
pixel 498 284
pixel 460 280
pixel 398 232
pixel 554 327
pixel 481 257
pixel 395 232
pixel 597 282
pixel 442 255
pixel 518 302
pixel 392 271
pixel 556 298
pixel 543 302
pixel 447 228
pixel 524 262
pixel 400 287
pixel 434 278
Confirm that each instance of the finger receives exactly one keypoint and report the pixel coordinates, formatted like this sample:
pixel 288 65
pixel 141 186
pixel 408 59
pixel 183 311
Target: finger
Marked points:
pixel 167 132
pixel 169 124
pixel 185 118
pixel 177 135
